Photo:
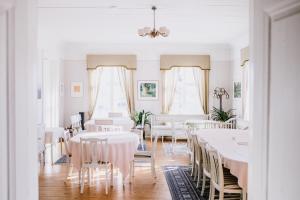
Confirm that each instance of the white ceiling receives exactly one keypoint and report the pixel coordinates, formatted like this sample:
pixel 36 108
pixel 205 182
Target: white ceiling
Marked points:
pixel 117 21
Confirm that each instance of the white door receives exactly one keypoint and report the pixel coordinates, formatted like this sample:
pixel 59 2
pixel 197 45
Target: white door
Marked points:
pixel 275 171
pixel 3 106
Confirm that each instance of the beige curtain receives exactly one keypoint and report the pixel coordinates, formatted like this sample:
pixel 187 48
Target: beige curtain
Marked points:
pixel 127 81
pixel 94 76
pixel 201 78
pixel 168 88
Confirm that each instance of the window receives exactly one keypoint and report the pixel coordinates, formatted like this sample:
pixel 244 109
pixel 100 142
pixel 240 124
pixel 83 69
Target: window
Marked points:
pixel 186 96
pixel 111 96
pixel 246 92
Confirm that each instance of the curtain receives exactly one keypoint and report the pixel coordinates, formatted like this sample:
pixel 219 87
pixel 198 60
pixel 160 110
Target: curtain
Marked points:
pixel 51 93
pixel 94 76
pixel 126 80
pixel 201 78
pixel 245 92
pixel 168 88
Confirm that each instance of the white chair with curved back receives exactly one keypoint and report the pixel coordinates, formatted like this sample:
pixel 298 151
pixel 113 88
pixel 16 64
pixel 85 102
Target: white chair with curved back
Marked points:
pixel 146 156
pixel 206 175
pixel 222 180
pixel 94 154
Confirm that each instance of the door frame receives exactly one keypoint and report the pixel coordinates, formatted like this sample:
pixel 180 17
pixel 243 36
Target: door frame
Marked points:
pixel 262 17
pixel 20 157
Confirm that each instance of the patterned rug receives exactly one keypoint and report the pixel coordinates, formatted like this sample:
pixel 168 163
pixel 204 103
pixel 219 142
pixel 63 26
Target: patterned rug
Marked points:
pixel 62 160
pixel 181 184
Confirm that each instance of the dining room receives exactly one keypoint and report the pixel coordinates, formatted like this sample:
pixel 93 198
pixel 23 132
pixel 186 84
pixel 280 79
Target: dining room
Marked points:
pixel 149 100
pixel 134 117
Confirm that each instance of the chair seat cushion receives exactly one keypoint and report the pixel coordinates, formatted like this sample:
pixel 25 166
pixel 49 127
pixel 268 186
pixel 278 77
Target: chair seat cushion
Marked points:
pixel 143 154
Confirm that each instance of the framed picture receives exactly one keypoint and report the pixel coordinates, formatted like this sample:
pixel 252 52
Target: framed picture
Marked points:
pixel 76 89
pixel 148 90
pixel 237 90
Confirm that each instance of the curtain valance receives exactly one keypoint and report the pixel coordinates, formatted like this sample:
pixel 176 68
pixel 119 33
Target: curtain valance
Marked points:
pixel 127 61
pixel 169 61
pixel 244 56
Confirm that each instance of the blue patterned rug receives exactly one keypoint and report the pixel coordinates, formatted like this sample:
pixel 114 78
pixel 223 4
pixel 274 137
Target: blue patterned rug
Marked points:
pixel 181 184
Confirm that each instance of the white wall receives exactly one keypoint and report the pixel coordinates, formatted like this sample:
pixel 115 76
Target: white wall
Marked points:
pixel 237 45
pixel 148 65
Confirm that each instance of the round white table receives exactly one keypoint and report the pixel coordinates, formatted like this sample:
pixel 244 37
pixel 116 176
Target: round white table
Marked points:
pixel 232 145
pixel 121 145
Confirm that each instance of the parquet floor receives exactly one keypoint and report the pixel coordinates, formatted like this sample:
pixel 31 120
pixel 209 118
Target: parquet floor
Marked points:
pixel 143 187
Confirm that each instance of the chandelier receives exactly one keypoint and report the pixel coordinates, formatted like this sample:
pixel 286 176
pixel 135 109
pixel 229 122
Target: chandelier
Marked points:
pixel 147 31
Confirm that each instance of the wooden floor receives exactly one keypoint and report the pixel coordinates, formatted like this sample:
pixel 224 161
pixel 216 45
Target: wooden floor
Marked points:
pixel 52 186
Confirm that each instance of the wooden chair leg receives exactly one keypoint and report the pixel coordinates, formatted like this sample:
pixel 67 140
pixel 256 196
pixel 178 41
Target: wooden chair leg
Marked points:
pixel 111 175
pixel 82 181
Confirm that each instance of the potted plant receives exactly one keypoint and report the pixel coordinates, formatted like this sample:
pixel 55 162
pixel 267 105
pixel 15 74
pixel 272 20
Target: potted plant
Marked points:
pixel 137 117
pixel 221 115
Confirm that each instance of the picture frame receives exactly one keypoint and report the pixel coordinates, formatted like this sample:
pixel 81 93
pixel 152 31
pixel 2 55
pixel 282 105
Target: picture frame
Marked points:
pixel 237 90
pixel 77 89
pixel 147 90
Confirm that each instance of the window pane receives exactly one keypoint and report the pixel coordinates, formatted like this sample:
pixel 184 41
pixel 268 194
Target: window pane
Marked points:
pixel 186 98
pixel 111 96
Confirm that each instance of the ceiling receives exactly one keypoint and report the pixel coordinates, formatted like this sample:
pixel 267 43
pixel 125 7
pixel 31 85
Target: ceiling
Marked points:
pixel 117 21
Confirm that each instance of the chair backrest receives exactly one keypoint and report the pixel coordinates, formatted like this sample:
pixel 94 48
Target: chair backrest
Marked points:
pixel 93 151
pixel 76 122
pixel 104 122
pixel 196 148
pixel 205 157
pixel 109 128
pixel 115 114
pixel 67 137
pixel 216 171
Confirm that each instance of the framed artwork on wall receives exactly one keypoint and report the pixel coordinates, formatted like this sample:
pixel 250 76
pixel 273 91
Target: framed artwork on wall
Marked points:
pixel 148 90
pixel 237 90
pixel 76 89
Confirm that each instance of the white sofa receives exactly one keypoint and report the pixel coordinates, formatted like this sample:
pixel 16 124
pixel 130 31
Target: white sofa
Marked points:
pixel 171 125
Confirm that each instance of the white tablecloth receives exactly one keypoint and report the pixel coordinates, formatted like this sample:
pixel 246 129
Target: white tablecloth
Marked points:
pixel 125 122
pixel 232 145
pixel 122 146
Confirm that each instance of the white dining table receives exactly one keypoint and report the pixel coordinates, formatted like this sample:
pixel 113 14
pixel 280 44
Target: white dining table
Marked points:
pixel 232 145
pixel 121 148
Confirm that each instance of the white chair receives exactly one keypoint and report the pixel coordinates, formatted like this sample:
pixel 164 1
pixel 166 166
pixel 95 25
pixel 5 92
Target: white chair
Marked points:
pixel 222 180
pixel 139 129
pixel 206 165
pixel 198 163
pixel 109 128
pixel 94 154
pixel 67 137
pixel 146 156
pixel 76 123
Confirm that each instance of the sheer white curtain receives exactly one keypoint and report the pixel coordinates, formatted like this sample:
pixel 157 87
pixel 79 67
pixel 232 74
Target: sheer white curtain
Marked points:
pixel 168 87
pixel 111 95
pixel 51 93
pixel 186 98
pixel 245 92
pixel 126 78
pixel 94 85
pixel 199 78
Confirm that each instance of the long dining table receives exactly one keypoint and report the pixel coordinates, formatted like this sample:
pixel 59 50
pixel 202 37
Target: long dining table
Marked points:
pixel 232 145
pixel 121 148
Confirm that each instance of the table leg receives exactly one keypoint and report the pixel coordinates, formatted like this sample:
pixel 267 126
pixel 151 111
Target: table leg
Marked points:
pixel 60 146
pixel 52 154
